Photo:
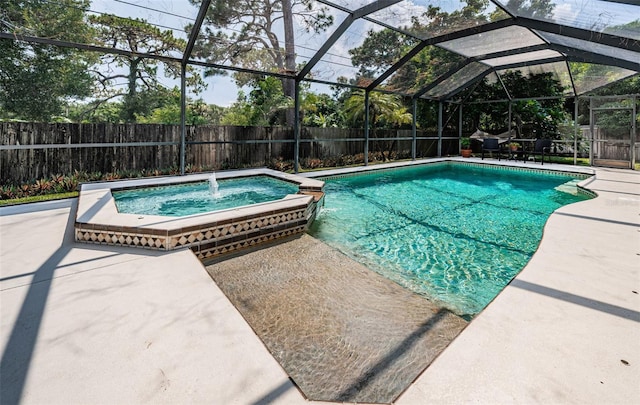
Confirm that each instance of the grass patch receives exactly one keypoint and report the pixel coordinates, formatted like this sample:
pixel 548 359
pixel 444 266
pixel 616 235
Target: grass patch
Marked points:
pixel 568 160
pixel 38 198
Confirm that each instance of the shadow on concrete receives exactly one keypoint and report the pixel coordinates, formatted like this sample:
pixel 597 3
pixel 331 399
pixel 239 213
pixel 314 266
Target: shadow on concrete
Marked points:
pixel 347 395
pixel 22 340
pixel 578 300
pixel 602 190
pixel 275 393
pixel 611 221
pixel 17 354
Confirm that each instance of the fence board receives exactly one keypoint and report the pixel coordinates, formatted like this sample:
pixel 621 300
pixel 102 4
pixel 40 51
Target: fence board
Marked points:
pixel 25 165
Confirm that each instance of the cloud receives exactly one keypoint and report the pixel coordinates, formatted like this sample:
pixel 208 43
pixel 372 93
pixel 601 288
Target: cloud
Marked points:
pixel 565 13
pixel 399 15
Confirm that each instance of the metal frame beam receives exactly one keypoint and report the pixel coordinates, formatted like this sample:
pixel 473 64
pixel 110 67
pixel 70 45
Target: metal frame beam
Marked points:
pixel 436 40
pixel 504 86
pixel 168 59
pixel 510 52
pixel 195 30
pixel 442 78
pixel 371 20
pixel 496 68
pixel 183 117
pixel 296 128
pixel 630 2
pixel 414 127
pixel 573 83
pixel 479 58
pixel 366 128
pixel 576 100
pixel 634 128
pixel 459 126
pixel 580 33
pixel 85 47
pixel 468 83
pixel 517 99
pixel 529 63
pixel 439 128
pixel 354 15
pixel 193 36
pixel 580 55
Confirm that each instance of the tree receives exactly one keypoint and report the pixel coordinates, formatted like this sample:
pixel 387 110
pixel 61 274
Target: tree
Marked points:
pixel 140 73
pixel 197 112
pixel 263 106
pixel 385 110
pixel 109 111
pixel 539 118
pixel 36 80
pixel 382 49
pixel 539 9
pixel 244 33
pixel 319 110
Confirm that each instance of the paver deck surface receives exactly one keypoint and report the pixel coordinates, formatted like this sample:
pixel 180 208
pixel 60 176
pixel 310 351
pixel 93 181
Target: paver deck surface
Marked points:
pixel 92 324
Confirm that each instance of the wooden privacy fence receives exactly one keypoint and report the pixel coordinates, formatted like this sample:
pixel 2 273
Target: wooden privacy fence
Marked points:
pixel 40 150
pixel 30 151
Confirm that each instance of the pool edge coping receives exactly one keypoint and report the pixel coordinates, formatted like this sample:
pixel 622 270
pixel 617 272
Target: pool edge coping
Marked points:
pixel 587 173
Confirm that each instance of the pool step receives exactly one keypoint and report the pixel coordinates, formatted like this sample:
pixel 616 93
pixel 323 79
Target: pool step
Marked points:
pixel 570 187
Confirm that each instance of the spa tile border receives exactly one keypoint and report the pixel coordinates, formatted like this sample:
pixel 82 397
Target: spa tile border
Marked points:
pixel 209 238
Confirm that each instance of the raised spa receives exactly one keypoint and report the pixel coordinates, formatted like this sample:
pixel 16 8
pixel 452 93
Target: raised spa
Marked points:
pixel 180 200
pixel 210 231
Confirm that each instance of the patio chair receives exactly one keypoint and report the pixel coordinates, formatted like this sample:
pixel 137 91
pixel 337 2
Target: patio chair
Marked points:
pixel 541 147
pixel 491 145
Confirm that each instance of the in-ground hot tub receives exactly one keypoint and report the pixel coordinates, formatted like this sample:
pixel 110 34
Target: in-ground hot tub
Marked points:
pixel 208 234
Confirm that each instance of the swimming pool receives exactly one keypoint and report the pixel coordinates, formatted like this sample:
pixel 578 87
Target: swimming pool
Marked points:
pixel 196 198
pixel 454 233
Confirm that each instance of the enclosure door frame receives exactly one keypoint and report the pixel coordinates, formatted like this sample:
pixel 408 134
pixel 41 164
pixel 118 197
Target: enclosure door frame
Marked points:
pixel 627 164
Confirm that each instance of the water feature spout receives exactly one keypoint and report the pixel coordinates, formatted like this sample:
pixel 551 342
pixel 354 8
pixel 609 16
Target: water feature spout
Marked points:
pixel 213 185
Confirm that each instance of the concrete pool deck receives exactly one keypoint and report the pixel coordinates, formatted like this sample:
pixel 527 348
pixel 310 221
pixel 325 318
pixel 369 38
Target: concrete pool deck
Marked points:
pixel 101 324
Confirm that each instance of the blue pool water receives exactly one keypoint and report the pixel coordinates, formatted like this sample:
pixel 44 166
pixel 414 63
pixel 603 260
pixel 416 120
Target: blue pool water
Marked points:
pixel 197 198
pixel 456 234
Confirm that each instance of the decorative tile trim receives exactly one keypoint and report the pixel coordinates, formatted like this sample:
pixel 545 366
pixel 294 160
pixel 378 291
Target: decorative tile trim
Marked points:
pixel 107 237
pixel 219 232
pixel 585 192
pixel 206 253
pixel 540 170
pixel 206 240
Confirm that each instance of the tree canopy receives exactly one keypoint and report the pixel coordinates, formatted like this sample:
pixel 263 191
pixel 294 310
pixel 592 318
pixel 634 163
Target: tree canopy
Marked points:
pixel 259 35
pixel 41 82
pixel 36 80
pixel 141 74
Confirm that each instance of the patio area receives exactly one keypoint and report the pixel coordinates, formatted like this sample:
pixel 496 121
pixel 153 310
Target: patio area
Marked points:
pixel 105 324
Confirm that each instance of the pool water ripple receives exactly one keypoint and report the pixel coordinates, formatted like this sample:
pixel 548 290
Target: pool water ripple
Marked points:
pixel 197 198
pixel 457 235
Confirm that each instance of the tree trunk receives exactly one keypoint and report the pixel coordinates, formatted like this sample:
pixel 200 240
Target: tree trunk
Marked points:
pixel 130 99
pixel 288 85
